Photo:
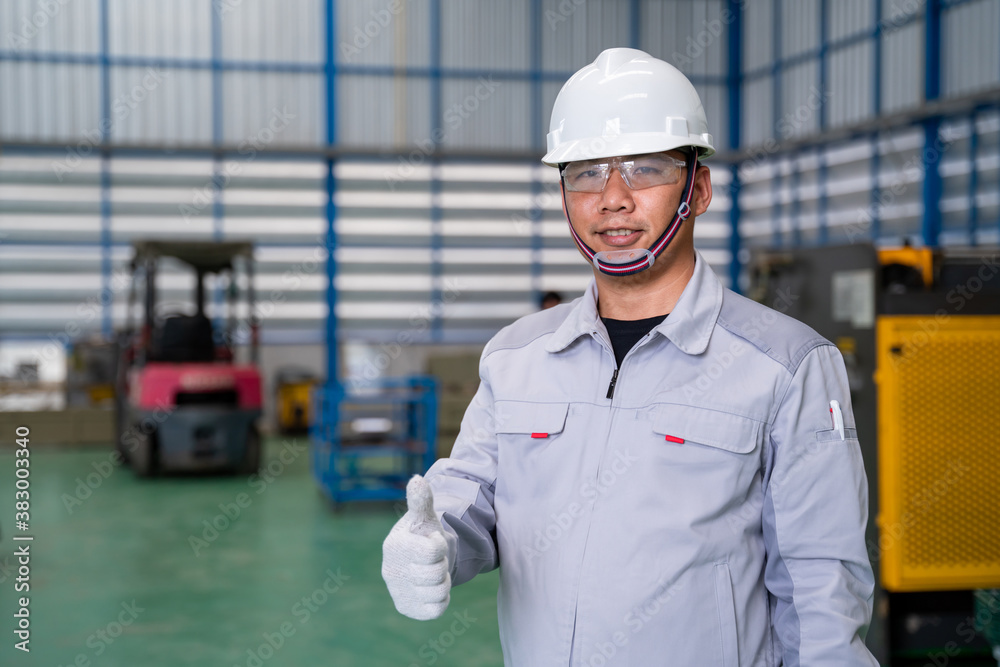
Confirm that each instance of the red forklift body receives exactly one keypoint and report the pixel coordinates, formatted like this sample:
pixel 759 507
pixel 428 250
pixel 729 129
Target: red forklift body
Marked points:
pixel 158 384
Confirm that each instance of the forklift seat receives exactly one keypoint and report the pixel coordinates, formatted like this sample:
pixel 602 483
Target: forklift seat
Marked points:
pixel 183 338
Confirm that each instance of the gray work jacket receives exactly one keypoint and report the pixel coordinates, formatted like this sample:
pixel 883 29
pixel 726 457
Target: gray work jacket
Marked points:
pixel 704 513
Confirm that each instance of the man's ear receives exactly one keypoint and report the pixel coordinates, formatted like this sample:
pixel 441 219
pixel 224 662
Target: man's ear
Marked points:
pixel 702 195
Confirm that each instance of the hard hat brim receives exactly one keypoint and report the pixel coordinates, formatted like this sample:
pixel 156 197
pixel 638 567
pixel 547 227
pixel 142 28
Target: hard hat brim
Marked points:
pixel 632 144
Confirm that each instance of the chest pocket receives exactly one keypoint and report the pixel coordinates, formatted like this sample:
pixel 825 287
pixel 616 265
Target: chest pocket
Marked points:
pixel 531 420
pixel 686 426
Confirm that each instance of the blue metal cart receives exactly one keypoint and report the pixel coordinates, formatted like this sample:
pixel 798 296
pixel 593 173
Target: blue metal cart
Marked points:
pixel 368 441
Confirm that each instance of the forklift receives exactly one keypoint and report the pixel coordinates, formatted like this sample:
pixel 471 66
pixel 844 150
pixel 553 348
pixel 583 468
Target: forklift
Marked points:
pixel 184 403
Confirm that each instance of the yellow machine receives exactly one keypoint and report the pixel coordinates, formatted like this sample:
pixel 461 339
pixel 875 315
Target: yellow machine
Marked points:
pixel 938 376
pixel 924 324
pixel 920 261
pixel 292 400
pixel 939 451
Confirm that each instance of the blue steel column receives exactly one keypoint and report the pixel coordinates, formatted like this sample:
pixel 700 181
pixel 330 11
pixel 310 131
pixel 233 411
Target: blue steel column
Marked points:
pixel 537 139
pixel 821 205
pixel 776 71
pixel 218 208
pixel 734 83
pixel 931 193
pixel 824 65
pixel 824 120
pixel 437 121
pixel 333 388
pixel 796 203
pixel 776 67
pixel 777 233
pixel 107 296
pixel 877 56
pixel 875 207
pixel 217 138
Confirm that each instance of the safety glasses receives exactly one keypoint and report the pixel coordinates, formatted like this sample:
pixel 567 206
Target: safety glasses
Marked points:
pixel 638 172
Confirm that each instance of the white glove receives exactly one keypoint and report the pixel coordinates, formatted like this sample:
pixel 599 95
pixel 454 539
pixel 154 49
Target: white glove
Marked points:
pixel 415 557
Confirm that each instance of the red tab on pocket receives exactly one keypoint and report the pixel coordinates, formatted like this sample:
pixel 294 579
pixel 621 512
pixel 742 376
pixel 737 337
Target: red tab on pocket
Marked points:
pixel 674 438
pixel 539 435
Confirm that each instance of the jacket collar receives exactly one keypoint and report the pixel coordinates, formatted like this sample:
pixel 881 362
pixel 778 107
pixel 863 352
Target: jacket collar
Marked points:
pixel 689 325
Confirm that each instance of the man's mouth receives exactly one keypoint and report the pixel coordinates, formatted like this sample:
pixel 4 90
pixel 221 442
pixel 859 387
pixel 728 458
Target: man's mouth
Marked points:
pixel 620 237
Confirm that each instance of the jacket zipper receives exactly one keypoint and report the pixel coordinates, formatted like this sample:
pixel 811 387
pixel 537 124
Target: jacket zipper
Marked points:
pixel 610 395
pixel 611 387
pixel 586 544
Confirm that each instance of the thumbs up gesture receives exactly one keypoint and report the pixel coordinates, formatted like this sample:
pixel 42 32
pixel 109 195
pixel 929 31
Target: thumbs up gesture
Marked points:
pixel 415 557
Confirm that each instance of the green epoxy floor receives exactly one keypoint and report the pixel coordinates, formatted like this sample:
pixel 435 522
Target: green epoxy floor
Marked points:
pixel 124 555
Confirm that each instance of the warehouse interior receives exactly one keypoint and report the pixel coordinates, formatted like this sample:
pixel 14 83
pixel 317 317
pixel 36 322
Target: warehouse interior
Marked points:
pixel 343 201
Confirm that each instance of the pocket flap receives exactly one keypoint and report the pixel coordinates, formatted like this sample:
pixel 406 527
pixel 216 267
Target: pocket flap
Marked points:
pixel 722 430
pixel 531 418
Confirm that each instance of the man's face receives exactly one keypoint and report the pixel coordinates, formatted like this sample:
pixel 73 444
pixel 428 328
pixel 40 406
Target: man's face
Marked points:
pixel 620 218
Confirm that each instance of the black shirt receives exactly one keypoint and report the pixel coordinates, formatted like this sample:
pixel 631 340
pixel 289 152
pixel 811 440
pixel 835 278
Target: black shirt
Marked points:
pixel 625 334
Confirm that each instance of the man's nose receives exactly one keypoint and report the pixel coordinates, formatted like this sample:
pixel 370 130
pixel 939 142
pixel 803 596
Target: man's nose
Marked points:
pixel 617 195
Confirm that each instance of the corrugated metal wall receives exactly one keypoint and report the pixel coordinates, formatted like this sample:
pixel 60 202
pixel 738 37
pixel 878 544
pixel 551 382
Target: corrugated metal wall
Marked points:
pixel 470 243
pixel 269 54
pixel 459 76
pixel 818 67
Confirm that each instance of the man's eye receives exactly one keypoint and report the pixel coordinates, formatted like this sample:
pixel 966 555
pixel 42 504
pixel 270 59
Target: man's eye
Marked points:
pixel 648 170
pixel 585 174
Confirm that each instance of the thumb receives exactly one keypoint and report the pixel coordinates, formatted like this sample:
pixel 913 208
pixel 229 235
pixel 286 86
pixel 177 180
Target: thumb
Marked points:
pixel 420 503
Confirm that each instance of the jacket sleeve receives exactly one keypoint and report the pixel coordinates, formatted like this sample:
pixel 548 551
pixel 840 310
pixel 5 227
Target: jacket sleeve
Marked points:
pixel 814 516
pixel 464 485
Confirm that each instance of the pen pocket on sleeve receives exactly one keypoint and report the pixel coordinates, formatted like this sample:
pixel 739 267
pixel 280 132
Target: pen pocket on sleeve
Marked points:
pixel 833 434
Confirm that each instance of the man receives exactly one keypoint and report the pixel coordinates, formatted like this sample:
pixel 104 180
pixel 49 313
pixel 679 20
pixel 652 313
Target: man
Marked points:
pixel 665 472
pixel 550 300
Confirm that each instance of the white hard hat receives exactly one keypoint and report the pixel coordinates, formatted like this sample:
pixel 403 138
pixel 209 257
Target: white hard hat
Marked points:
pixel 626 103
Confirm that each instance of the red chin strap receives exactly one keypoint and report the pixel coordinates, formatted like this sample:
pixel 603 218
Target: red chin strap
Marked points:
pixel 627 262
